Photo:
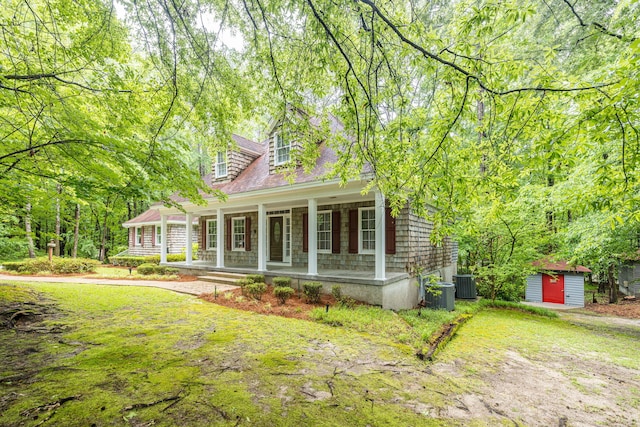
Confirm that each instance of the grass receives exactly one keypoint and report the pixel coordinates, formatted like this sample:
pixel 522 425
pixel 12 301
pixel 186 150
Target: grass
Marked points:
pixel 143 356
pixel 411 327
pixel 128 346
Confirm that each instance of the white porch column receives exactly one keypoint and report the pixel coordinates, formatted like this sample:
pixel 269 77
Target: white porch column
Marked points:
pixel 220 239
pixel 163 239
pixel 312 263
pixel 380 240
pixel 262 238
pixel 189 248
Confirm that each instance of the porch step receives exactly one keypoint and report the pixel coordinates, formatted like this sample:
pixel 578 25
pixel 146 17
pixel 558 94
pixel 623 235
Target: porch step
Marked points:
pixel 222 277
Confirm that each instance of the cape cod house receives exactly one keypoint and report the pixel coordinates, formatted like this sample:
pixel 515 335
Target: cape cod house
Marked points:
pixel 307 226
pixel 145 233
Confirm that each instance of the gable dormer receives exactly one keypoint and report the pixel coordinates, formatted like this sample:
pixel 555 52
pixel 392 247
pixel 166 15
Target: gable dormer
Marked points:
pixel 283 150
pixel 228 164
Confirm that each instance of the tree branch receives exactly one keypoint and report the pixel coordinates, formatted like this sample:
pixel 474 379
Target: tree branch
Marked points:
pixel 597 25
pixel 467 73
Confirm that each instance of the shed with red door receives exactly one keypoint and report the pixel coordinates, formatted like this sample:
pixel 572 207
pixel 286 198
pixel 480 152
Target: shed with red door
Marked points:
pixel 557 282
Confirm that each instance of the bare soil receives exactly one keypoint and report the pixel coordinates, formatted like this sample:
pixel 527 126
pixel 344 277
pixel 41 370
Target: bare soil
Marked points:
pixel 296 307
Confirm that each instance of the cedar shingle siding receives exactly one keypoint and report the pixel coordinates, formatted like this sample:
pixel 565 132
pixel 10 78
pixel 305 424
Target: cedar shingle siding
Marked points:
pixel 177 238
pixel 237 161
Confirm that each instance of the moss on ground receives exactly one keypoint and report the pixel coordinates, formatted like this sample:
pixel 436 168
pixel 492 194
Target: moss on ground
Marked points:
pixel 142 356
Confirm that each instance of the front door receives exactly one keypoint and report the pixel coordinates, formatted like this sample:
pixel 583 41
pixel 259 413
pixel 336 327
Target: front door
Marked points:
pixel 276 232
pixel 553 288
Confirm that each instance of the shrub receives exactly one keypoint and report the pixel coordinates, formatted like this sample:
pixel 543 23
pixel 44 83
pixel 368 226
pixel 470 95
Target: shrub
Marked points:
pixel 311 291
pixel 256 290
pixel 243 284
pixel 283 293
pixel 282 281
pixel 130 261
pixel 256 278
pixel 12 266
pixel 134 261
pixel 148 269
pixel 57 265
pixel 344 300
pixel 73 265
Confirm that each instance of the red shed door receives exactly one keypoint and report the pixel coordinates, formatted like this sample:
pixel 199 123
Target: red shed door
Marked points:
pixel 553 288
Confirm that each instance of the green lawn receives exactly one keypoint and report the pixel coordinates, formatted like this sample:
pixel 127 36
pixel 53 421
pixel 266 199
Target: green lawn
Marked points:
pixel 144 356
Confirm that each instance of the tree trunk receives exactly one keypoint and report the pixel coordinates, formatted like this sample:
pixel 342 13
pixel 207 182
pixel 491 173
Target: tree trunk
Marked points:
pixel 613 287
pixel 103 236
pixel 27 229
pixel 76 233
pixel 56 250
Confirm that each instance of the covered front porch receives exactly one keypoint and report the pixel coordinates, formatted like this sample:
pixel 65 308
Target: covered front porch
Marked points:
pixel 286 229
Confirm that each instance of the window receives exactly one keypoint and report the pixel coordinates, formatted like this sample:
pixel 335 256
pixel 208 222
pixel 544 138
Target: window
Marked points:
pixel 221 164
pixel 367 230
pixel 212 234
pixel 138 236
pixel 238 234
pixel 287 238
pixel 324 231
pixel 281 150
pixel 158 235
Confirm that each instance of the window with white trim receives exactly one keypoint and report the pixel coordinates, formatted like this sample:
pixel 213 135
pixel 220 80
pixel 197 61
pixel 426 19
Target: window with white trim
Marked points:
pixel 282 150
pixel 138 239
pixel 324 231
pixel 158 235
pixel 221 164
pixel 212 234
pixel 238 242
pixel 367 230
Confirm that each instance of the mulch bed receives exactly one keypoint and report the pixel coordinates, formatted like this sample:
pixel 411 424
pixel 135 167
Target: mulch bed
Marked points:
pixel 628 309
pixel 296 307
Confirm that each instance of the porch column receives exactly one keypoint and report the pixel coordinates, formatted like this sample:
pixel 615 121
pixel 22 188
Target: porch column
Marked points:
pixel 312 263
pixel 220 239
pixel 262 238
pixel 189 248
pixel 163 239
pixel 380 241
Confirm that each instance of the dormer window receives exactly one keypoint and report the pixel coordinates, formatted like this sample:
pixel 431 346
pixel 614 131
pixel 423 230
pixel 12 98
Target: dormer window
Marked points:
pixel 282 150
pixel 221 164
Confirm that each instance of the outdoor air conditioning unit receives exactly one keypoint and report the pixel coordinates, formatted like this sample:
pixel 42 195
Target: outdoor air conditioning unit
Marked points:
pixel 465 286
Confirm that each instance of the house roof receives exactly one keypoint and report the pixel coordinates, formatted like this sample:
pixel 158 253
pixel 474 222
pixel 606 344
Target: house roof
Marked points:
pixel 248 145
pixel 256 176
pixel 152 216
pixel 559 265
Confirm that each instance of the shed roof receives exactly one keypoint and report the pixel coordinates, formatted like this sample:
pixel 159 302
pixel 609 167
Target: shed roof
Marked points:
pixel 559 265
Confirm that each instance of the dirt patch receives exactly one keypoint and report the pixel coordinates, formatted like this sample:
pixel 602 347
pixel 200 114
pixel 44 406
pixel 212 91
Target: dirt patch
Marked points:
pixel 296 307
pixel 628 309
pixel 556 387
pixel 563 390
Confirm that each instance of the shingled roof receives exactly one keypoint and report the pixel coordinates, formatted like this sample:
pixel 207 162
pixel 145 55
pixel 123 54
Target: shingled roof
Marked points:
pixel 559 265
pixel 256 176
pixel 152 216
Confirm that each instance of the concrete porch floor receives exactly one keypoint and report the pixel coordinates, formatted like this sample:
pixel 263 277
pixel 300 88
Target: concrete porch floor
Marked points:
pixel 273 270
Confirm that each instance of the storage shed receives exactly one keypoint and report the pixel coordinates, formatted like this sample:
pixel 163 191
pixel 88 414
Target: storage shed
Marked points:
pixel 557 282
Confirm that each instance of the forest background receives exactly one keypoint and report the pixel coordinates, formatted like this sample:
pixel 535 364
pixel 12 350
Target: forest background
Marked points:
pixel 517 120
